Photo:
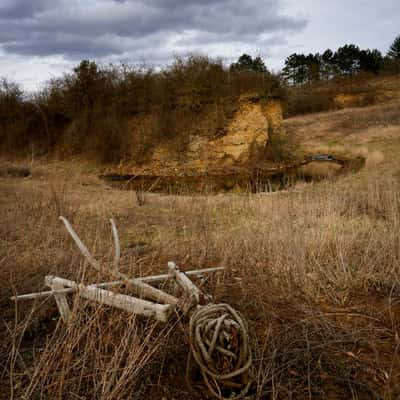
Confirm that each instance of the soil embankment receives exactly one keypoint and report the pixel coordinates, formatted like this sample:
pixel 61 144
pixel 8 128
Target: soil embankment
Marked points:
pixel 255 180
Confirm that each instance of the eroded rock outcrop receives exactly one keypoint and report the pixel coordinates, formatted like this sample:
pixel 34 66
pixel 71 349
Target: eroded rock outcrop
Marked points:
pixel 241 144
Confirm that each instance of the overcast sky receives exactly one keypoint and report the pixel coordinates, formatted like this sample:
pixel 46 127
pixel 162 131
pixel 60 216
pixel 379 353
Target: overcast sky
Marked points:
pixel 41 39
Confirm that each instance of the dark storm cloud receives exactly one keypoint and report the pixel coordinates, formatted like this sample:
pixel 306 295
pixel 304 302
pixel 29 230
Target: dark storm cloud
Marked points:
pixel 89 28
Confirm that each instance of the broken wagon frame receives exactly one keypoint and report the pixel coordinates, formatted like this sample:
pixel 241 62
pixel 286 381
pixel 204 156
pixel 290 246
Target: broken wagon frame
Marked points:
pixel 218 334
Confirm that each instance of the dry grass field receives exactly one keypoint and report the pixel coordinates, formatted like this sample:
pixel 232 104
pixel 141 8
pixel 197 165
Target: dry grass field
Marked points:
pixel 315 270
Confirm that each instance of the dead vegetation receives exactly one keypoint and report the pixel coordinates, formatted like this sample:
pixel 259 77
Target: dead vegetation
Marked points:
pixel 315 272
pixel 382 116
pixel 358 91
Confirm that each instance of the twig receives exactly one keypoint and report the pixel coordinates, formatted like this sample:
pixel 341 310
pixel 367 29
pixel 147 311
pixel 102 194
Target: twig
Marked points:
pixel 116 243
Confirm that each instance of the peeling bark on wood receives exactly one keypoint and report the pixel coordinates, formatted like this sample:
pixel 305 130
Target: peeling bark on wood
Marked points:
pixel 154 278
pixel 161 312
pixel 61 299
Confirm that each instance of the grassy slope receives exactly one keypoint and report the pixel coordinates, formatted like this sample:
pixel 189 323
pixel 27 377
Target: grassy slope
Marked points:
pixel 315 271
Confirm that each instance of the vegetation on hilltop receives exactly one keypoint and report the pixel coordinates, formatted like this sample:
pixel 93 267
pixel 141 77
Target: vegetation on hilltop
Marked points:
pixel 315 80
pixel 347 61
pixel 119 112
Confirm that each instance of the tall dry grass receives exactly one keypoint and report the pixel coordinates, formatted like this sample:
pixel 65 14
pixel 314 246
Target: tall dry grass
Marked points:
pixel 315 271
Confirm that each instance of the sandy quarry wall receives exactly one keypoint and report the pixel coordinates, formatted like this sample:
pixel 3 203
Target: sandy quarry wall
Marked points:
pixel 245 137
pixel 377 91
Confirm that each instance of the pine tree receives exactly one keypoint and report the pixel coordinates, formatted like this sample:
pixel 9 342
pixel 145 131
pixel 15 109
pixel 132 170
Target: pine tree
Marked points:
pixel 314 64
pixel 394 51
pixel 347 59
pixel 296 70
pixel 371 61
pixel 248 63
pixel 327 67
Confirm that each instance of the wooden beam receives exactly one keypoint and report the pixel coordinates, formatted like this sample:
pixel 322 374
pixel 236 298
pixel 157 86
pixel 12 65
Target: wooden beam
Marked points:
pixel 193 296
pixel 61 299
pixel 185 283
pixel 145 308
pixel 161 312
pixel 143 289
pixel 147 279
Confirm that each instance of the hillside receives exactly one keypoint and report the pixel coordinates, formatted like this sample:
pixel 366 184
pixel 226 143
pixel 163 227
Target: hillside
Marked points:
pixel 371 132
pixel 357 91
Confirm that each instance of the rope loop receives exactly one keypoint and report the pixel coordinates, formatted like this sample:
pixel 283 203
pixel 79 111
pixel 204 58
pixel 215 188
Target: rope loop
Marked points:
pixel 219 342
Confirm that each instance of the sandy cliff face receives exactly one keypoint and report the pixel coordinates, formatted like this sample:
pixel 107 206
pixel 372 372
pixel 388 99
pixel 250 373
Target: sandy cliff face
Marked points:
pixel 245 137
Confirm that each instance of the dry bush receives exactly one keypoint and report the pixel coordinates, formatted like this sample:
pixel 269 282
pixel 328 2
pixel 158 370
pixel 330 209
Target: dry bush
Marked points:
pixel 17 117
pixel 316 273
pixel 281 147
pixel 303 101
pixel 321 96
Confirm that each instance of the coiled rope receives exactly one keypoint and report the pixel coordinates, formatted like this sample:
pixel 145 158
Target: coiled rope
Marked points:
pixel 219 341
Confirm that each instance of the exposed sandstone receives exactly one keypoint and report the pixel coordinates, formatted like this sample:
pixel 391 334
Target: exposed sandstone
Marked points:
pixel 245 137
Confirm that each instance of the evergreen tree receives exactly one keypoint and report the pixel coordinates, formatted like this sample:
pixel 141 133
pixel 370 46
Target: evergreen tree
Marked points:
pixel 370 60
pixel 295 70
pixel 248 63
pixel 328 68
pixel 347 59
pixel 394 51
pixel 314 63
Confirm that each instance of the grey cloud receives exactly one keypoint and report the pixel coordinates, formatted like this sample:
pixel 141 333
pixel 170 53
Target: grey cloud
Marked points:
pixel 17 9
pixel 107 28
pixel 73 46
